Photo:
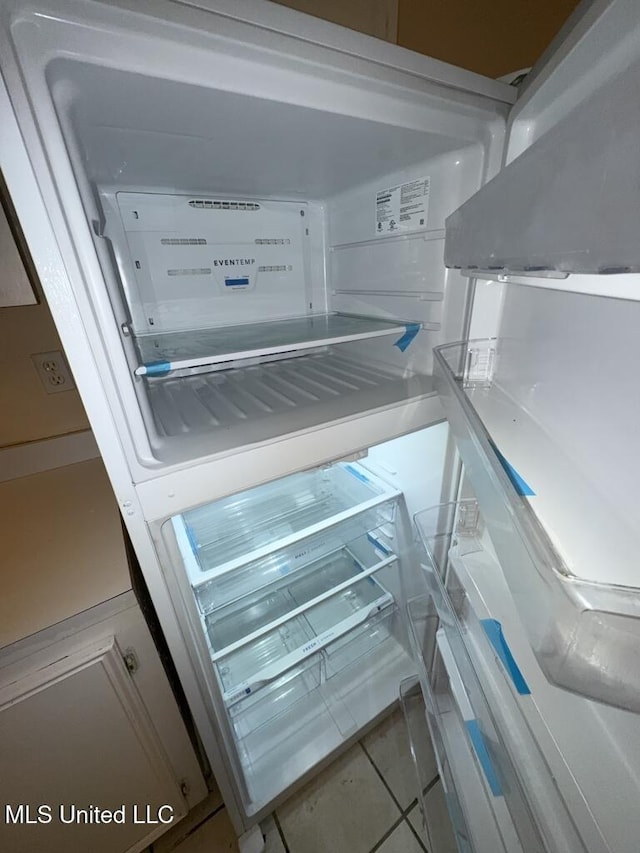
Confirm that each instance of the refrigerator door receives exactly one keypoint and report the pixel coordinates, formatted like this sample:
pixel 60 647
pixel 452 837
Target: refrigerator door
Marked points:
pixel 566 200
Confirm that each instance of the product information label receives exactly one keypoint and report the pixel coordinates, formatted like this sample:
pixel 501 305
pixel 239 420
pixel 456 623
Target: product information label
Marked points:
pixel 402 208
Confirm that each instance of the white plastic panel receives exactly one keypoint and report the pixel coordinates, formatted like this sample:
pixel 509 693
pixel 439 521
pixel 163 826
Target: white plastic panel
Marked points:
pixel 198 261
pixel 566 201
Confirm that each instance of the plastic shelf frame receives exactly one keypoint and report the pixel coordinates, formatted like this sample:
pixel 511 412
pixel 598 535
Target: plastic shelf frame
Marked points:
pixel 585 635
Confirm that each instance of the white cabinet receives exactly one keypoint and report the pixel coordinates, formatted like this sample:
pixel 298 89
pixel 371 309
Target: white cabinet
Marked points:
pixel 88 722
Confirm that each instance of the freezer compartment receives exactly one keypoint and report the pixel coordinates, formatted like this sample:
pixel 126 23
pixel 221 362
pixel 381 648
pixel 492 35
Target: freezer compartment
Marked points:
pixel 230 337
pixel 466 750
pixel 313 708
pixel 246 527
pixel 568 553
pixel 217 411
pixel 441 836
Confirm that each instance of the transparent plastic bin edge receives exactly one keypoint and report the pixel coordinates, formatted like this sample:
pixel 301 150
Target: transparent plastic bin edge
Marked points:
pixel 218 538
pixel 585 636
pixel 450 742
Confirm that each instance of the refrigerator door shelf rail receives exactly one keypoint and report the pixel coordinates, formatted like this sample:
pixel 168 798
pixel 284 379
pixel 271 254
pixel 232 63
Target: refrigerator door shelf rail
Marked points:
pixel 549 526
pixel 161 354
pixel 517 714
pixel 473 810
pixel 221 537
pixel 415 717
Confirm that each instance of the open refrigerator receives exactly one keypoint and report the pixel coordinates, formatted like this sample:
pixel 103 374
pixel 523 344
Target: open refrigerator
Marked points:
pixel 353 331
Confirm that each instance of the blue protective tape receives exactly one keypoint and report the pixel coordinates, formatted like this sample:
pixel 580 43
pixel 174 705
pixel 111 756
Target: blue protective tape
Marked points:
pixel 484 758
pixel 236 282
pixel 377 544
pixel 493 630
pixel 358 475
pixel 158 368
pixel 411 330
pixel 519 484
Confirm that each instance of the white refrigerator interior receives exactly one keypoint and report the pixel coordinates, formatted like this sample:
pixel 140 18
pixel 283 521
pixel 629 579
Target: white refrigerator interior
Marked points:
pixel 238 214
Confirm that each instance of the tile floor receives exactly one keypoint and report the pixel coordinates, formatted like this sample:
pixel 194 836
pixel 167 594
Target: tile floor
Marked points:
pixel 363 802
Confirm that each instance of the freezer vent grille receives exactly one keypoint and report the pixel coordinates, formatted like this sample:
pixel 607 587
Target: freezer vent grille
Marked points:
pixel 196 271
pixel 208 204
pixel 183 241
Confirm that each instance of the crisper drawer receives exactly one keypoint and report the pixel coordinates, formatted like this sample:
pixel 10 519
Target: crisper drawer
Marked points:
pixel 282 730
pixel 252 643
pixel 484 794
pixel 249 527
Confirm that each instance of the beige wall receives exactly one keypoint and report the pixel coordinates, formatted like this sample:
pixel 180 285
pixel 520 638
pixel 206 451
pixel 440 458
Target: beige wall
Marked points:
pixel 373 17
pixel 27 412
pixel 492 37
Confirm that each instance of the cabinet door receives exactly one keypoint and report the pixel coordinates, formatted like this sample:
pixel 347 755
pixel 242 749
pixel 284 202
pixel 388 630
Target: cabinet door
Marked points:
pixel 75 733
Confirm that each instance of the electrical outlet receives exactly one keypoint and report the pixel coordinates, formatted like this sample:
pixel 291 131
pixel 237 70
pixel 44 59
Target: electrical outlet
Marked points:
pixel 53 371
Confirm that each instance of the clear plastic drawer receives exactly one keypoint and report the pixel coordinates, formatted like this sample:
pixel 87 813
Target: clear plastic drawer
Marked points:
pixel 246 527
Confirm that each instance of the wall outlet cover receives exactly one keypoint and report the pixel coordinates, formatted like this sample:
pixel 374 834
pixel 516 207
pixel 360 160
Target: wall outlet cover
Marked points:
pixel 53 371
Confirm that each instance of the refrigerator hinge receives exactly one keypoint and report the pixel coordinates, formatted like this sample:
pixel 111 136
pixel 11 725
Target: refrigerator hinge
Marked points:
pixel 131 661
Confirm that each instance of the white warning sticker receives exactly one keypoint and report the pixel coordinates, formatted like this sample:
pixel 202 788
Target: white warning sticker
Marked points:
pixel 402 208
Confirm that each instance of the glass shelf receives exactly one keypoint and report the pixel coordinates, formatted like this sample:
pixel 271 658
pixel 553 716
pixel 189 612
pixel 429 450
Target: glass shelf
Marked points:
pixel 352 540
pixel 568 554
pixel 255 663
pixel 160 354
pixel 246 527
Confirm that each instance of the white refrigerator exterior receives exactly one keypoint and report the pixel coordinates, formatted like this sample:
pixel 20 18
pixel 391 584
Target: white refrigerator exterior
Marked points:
pixel 242 103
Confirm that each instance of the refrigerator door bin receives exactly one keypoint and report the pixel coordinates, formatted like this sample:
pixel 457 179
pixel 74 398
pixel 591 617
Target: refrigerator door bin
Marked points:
pixel 508 694
pixel 551 525
pixel 232 532
pixel 455 532
pixel 415 717
pixel 473 807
